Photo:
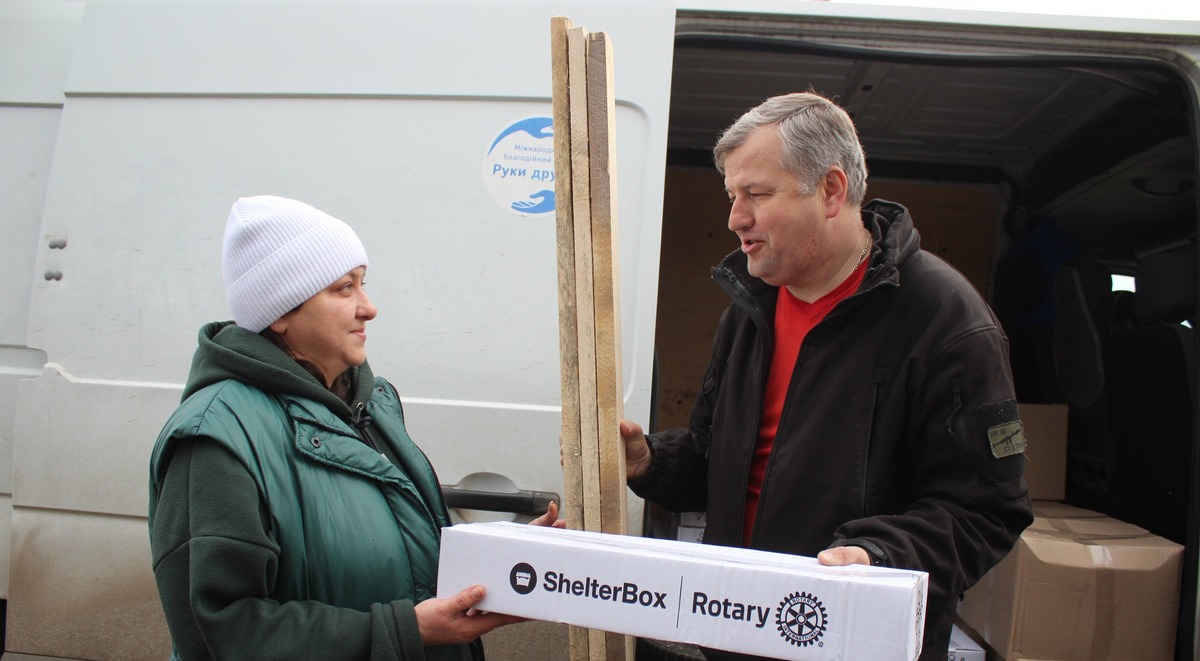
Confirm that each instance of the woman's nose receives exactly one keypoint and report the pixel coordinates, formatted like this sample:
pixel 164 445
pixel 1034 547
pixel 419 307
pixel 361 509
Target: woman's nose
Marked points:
pixel 366 308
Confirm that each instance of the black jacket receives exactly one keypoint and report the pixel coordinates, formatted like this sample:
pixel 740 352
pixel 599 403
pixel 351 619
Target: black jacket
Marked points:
pixel 884 439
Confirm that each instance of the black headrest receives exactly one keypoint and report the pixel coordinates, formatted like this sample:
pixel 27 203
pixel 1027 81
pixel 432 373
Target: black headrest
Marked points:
pixel 1095 279
pixel 1077 354
pixel 1166 287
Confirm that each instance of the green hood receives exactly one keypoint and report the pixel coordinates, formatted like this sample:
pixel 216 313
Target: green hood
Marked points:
pixel 228 351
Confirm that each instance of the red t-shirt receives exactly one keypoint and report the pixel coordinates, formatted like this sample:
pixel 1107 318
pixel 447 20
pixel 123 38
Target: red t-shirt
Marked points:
pixel 793 319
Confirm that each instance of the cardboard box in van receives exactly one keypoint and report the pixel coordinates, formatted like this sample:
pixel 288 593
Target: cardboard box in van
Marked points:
pixel 1045 427
pixel 1079 586
pixel 767 604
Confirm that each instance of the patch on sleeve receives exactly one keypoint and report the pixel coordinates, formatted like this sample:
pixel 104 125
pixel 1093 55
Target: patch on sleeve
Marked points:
pixel 1005 439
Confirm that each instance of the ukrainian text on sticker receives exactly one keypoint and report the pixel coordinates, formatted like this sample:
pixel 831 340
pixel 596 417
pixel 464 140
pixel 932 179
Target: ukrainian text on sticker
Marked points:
pixel 1007 439
pixel 518 167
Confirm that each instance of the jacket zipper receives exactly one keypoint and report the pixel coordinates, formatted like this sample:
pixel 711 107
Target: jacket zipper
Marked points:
pixel 880 377
pixel 742 297
pixel 362 422
pixel 956 394
pixel 738 292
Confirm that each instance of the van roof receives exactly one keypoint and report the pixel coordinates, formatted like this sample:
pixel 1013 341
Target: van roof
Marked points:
pixel 1161 17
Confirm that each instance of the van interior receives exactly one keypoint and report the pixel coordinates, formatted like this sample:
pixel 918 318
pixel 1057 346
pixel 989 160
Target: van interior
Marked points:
pixel 1063 187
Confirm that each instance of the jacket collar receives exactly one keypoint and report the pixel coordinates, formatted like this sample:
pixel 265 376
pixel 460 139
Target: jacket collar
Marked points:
pixel 895 239
pixel 228 351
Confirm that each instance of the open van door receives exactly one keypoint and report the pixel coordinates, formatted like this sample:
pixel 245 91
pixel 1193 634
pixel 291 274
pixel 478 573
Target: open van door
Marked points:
pixel 424 125
pixel 1025 146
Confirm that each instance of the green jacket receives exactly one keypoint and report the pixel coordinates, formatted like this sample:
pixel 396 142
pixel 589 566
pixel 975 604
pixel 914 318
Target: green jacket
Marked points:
pixel 286 523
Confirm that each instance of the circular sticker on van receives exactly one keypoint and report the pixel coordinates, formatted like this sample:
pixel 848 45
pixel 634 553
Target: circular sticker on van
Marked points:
pixel 518 168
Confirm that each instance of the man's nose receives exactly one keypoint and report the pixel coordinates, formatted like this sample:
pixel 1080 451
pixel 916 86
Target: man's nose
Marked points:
pixel 740 216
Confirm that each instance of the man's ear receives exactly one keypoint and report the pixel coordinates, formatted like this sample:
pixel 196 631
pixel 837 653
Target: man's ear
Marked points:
pixel 834 186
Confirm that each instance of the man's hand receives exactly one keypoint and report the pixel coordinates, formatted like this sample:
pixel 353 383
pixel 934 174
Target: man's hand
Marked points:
pixel 452 620
pixel 550 518
pixel 637 450
pixel 844 555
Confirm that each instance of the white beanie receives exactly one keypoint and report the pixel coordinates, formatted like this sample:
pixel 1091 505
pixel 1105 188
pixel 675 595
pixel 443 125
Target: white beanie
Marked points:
pixel 278 253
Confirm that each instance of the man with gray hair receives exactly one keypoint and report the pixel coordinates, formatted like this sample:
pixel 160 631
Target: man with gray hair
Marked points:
pixel 857 385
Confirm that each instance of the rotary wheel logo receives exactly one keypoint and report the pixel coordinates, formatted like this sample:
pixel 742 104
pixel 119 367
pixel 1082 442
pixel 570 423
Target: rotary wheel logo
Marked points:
pixel 801 619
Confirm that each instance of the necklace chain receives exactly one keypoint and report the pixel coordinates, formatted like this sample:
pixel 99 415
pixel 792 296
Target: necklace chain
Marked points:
pixel 863 254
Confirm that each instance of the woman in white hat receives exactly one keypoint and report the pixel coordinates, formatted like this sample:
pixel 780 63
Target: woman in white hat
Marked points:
pixel 291 516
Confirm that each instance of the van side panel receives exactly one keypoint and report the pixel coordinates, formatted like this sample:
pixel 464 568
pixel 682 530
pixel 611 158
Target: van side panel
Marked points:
pixel 380 113
pixel 35 49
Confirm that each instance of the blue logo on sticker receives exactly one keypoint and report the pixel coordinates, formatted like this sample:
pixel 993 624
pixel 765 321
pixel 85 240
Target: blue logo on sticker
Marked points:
pixel 518 168
pixel 536 127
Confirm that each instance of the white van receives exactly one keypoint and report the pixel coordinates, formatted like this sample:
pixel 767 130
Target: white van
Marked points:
pixel 1022 144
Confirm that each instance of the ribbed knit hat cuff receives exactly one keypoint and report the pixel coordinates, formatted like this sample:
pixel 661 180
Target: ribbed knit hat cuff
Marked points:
pixel 289 270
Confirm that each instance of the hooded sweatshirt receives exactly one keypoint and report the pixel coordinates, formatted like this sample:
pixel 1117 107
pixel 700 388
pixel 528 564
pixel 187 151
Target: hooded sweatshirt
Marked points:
pixel 286 523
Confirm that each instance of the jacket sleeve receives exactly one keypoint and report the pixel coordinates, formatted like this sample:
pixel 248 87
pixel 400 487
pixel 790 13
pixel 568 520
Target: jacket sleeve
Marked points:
pixel 676 479
pixel 967 499
pixel 678 475
pixel 214 565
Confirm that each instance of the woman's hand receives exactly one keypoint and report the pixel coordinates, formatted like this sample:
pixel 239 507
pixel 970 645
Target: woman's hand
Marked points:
pixel 452 620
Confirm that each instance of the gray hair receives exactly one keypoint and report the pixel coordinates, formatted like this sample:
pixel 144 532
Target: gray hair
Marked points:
pixel 816 135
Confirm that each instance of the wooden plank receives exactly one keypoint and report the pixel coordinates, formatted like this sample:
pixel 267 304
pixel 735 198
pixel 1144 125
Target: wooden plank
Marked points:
pixel 605 282
pixel 568 335
pixel 589 306
pixel 606 288
pixel 584 294
pixel 584 301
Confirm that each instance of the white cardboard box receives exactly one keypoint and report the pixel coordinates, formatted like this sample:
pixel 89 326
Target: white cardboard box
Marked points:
pixel 769 604
pixel 963 647
pixel 691 527
pixel 689 534
pixel 693 519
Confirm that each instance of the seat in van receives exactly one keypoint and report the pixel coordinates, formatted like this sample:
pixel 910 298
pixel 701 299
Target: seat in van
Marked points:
pixel 1149 393
pixel 1080 287
pixel 1082 303
pixel 1024 301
